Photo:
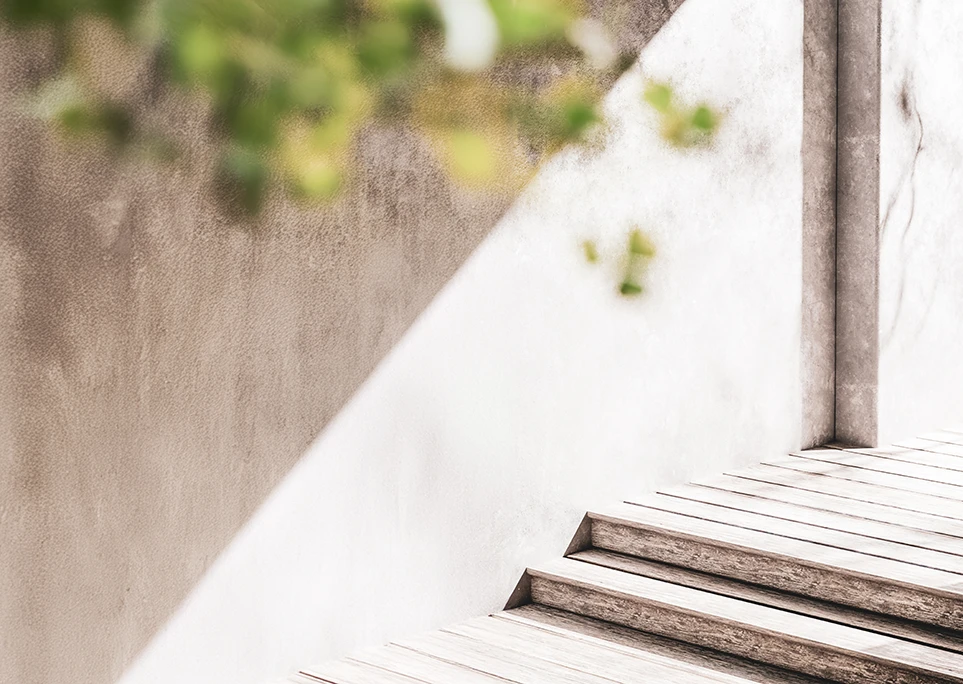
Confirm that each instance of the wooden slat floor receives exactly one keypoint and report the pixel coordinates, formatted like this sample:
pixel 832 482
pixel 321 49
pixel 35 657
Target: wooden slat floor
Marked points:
pixel 833 564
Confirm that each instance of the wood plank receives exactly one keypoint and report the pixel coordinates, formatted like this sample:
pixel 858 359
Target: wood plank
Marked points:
pixel 584 656
pixel 616 636
pixel 918 541
pixel 831 495
pixel 953 494
pixel 928 458
pixel 510 665
pixel 877 463
pixel 854 617
pixel 299 678
pixel 931 445
pixel 347 672
pixel 792 529
pixel 422 667
pixel 824 572
pixel 803 643
pixel 808 476
pixel 944 436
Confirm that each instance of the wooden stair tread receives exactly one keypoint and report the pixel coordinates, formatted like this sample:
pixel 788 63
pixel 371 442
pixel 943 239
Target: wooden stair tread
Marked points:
pixel 947 498
pixel 351 672
pixel 613 635
pixel 927 458
pixel 780 488
pixel 714 619
pixel 802 531
pixel 424 668
pixel 875 462
pixel 523 668
pixel 883 624
pixel 830 565
pixel 936 446
pixel 828 557
pixel 850 489
pixel 585 656
pixel 918 541
pixel 943 436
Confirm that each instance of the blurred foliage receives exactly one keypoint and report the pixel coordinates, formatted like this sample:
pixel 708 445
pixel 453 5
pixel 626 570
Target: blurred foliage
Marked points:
pixel 290 84
pixel 632 262
pixel 681 126
pixel 591 251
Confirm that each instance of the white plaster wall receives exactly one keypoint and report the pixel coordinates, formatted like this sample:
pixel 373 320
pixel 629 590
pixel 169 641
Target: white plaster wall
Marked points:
pixel 921 217
pixel 528 391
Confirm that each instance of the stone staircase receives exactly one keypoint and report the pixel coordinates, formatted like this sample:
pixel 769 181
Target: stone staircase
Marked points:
pixel 841 565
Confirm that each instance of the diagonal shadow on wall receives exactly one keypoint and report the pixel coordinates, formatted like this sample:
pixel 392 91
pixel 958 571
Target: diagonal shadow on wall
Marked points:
pixel 164 368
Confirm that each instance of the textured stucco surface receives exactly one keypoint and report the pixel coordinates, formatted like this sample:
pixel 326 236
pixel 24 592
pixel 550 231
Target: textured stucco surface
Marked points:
pixel 857 225
pixel 527 391
pixel 818 339
pixel 921 241
pixel 164 367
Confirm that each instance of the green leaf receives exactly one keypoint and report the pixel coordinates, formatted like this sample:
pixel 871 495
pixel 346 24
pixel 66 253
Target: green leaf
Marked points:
pixel 659 95
pixel 704 119
pixel 200 53
pixel 640 244
pixel 385 48
pixel 629 289
pixel 471 158
pixel 591 251
pixel 526 23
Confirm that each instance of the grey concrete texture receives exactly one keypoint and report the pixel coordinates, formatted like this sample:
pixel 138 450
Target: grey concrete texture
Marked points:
pixel 165 365
pixel 857 221
pixel 818 341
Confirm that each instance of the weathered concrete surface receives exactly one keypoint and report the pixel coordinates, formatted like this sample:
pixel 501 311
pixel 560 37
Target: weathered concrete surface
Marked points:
pixel 921 243
pixel 818 361
pixel 164 367
pixel 528 391
pixel 857 222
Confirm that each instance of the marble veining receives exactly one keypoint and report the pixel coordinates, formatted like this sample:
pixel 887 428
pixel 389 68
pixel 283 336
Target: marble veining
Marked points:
pixel 921 179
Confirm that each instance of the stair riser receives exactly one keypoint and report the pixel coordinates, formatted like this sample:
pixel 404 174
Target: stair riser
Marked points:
pixel 772 648
pixel 785 574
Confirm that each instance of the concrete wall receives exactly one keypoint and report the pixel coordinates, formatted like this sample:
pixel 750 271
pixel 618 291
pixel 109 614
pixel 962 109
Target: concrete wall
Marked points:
pixel 921 213
pixel 527 391
pixel 164 367
pixel 168 369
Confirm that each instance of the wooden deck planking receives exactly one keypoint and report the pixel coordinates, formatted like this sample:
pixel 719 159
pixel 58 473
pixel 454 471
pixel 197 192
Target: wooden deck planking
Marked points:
pixel 351 672
pixel 424 668
pixel 810 645
pixel 821 518
pixel 583 656
pixel 523 668
pixel 917 471
pixel 953 494
pixel 795 603
pixel 781 488
pixel 937 447
pixel 945 436
pixel 613 635
pixel 928 458
pixel 826 536
pixel 828 494
pixel 853 489
pixel 823 572
pixel 836 564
